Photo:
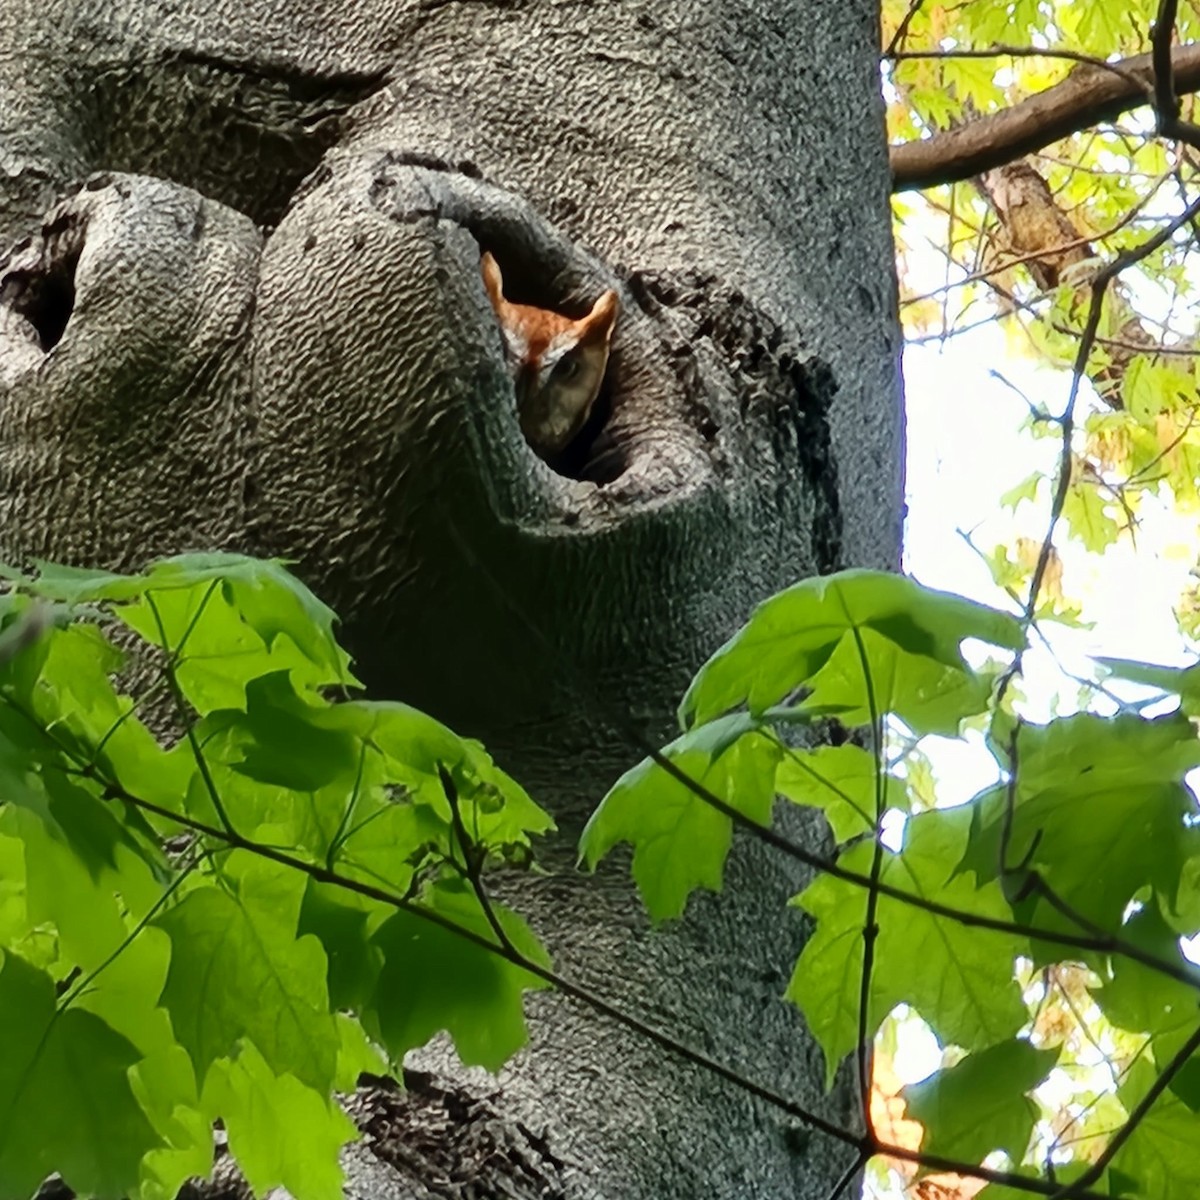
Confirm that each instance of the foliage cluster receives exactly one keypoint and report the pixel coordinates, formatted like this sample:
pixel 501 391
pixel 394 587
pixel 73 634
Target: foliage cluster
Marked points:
pixel 230 888
pixel 188 922
pixel 1021 243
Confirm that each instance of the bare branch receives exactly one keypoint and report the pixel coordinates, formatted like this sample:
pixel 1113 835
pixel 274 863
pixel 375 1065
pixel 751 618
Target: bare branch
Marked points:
pixel 871 918
pixel 848 1175
pixel 1040 252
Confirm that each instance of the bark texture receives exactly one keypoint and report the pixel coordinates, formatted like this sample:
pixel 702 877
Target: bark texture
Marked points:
pixel 245 310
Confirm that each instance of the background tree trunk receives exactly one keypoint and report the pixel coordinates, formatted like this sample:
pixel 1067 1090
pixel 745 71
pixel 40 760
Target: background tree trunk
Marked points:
pixel 263 327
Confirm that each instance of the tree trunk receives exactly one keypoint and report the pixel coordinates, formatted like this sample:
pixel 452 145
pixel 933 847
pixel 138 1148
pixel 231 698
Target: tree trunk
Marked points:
pixel 264 327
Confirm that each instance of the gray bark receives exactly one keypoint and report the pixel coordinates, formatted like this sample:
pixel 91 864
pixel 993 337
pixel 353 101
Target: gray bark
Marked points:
pixel 262 326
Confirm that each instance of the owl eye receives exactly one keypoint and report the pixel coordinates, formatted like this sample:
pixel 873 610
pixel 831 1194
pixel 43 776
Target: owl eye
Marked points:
pixel 565 369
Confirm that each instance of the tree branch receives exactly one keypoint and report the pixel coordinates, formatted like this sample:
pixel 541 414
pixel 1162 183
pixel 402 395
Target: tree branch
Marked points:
pixel 870 935
pixel 1099 288
pixel 1003 50
pixel 1166 99
pixel 898 38
pixel 848 1175
pixel 1088 96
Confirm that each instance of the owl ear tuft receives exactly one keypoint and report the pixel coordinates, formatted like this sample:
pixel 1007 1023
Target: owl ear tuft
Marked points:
pixel 598 325
pixel 493 281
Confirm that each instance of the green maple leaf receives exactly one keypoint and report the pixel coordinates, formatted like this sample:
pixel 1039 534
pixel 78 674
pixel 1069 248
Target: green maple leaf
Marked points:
pixel 165 1086
pixel 1140 999
pixel 1160 1158
pixel 15 926
pixel 272 602
pixel 76 585
pixel 1089 514
pixel 66 1103
pixel 679 840
pixel 980 1104
pixel 236 619
pixel 964 988
pixel 433 979
pixel 911 638
pixel 87 834
pixel 841 780
pixel 281 1133
pixel 238 970
pixel 357 1055
pixel 87 905
pixel 343 922
pixel 58 707
pixel 1085 786
pixel 1027 489
pixel 495 808
pixel 284 739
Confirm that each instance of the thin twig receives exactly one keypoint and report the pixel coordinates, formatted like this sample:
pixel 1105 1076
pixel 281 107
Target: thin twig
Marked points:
pixel 473 860
pixel 1047 251
pixel 1002 50
pixel 1136 480
pixel 1099 289
pixel 848 1176
pixel 1010 798
pixel 1035 627
pixel 1008 1179
pixel 1087 1033
pixel 86 980
pixel 1061 1140
pixel 185 717
pixel 871 918
pixel 1166 103
pixel 902 29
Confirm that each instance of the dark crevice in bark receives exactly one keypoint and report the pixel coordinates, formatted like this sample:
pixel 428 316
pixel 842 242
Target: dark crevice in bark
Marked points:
pixel 777 387
pixel 38 282
pixel 815 381
pixel 443 1141
pixel 457 1144
pixel 430 162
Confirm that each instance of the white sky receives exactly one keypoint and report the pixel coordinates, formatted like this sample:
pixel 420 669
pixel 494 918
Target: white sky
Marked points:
pixel 966 448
